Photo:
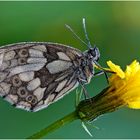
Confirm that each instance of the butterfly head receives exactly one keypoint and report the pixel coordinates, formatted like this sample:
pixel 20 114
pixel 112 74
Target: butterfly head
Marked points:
pixel 94 53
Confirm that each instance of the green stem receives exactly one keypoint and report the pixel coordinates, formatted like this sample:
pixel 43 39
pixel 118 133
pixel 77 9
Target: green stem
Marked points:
pixel 63 121
pixel 106 101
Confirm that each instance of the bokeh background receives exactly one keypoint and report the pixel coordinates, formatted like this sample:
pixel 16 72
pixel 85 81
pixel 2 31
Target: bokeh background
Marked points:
pixel 113 26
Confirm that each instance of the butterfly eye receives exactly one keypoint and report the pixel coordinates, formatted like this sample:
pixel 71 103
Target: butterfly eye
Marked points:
pixel 22 61
pixel 22 92
pixel 16 81
pixel 23 53
pixel 94 52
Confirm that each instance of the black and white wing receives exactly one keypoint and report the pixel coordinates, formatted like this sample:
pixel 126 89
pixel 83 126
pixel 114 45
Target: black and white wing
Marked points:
pixel 34 75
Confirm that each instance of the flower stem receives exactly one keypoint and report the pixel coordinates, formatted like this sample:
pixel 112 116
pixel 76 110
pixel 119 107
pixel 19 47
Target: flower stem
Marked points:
pixel 87 110
pixel 59 123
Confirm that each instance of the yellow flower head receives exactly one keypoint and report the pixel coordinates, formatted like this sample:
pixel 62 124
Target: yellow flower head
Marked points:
pixel 126 84
pixel 123 90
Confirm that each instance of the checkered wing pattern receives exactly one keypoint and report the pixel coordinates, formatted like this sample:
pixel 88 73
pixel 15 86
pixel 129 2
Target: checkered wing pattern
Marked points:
pixel 34 75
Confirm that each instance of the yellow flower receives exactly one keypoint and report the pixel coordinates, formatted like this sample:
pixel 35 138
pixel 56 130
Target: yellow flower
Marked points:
pixel 123 90
pixel 126 84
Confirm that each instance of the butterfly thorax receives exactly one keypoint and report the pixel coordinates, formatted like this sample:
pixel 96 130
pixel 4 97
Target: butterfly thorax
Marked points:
pixel 85 69
pixel 86 64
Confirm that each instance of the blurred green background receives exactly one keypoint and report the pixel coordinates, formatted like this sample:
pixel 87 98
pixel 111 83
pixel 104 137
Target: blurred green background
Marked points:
pixel 113 26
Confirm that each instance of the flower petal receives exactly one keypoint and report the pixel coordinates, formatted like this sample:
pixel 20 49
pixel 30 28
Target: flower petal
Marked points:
pixel 116 69
pixel 134 105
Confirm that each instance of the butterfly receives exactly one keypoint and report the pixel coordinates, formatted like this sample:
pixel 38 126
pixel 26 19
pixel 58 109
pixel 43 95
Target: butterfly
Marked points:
pixel 35 74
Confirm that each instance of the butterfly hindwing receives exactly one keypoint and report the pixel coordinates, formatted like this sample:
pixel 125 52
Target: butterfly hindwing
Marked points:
pixel 34 75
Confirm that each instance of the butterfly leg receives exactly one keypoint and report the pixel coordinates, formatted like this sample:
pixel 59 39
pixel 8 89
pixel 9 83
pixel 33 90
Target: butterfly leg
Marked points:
pixel 100 73
pixel 86 95
pixel 103 71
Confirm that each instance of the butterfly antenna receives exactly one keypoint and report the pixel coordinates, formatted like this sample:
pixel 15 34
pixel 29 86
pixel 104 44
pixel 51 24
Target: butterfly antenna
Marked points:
pixel 85 31
pixel 69 28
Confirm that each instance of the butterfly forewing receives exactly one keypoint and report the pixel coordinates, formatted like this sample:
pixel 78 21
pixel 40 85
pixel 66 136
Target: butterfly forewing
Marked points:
pixel 34 75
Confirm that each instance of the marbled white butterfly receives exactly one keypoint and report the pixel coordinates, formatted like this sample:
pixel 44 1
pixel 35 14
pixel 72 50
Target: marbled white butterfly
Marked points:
pixel 35 74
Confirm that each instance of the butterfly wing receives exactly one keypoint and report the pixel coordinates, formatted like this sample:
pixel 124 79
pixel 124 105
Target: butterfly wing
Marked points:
pixel 34 75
